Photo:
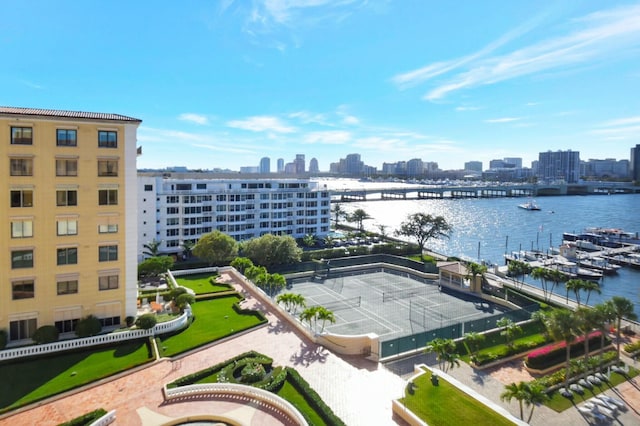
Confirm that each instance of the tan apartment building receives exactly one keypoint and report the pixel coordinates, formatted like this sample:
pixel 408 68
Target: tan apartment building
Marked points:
pixel 69 233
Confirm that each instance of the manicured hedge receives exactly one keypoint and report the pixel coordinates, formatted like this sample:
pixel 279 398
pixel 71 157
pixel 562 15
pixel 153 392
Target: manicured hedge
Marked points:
pixel 556 353
pixel 632 347
pixel 199 375
pixel 85 419
pixel 312 398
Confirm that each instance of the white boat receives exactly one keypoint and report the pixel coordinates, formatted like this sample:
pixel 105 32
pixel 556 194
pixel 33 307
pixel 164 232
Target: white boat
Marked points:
pixel 529 205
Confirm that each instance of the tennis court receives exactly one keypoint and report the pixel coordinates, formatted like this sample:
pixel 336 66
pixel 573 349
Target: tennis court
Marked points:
pixel 388 303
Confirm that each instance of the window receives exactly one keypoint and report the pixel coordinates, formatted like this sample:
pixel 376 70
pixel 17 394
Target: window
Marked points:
pixel 66 137
pixel 67 287
pixel 107 167
pixel 22 329
pixel 107 139
pixel 148 187
pixel 67 167
pixel 66 197
pixel 23 289
pixel 22 198
pixel 107 197
pixel 110 321
pixel 68 256
pixel 67 227
pixel 21 166
pixel 21 136
pixel 66 326
pixel 21 259
pixel 183 187
pixel 108 282
pixel 22 229
pixel 107 253
pixel 109 228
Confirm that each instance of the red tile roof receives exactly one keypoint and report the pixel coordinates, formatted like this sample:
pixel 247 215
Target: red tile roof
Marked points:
pixel 37 112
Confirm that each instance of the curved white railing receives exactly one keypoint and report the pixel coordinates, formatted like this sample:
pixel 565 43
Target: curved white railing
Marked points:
pixel 105 420
pixel 101 339
pixel 237 391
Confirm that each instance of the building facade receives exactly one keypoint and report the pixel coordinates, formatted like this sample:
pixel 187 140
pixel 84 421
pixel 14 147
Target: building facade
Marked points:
pixel 554 166
pixel 174 208
pixel 70 230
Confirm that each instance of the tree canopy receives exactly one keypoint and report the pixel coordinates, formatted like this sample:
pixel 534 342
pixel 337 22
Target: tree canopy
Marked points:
pixel 216 248
pixel 154 266
pixel 421 227
pixel 359 216
pixel 269 250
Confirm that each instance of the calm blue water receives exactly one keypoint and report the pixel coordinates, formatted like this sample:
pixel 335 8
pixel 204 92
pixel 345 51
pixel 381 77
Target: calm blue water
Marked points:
pixel 486 229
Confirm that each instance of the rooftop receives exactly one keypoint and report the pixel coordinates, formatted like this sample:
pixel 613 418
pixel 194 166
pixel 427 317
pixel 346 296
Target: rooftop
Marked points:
pixel 37 112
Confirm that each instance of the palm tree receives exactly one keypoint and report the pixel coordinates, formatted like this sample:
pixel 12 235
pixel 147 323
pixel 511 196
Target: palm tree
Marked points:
pixel 556 277
pixel 444 350
pixel 515 391
pixel 290 301
pixel 562 325
pixel 604 315
pixel 542 316
pixel 310 315
pixel 621 307
pixel 359 216
pixel 339 213
pixel 586 322
pixel 187 248
pixel 325 315
pixel 475 269
pixel 509 331
pixel 309 240
pixel 519 269
pixel 541 274
pixel 574 285
pixel 589 287
pixel 473 340
pixel 152 248
pixel 534 394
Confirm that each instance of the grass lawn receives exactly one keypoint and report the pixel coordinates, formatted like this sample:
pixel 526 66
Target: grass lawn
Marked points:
pixel 24 382
pixel 201 284
pixel 447 405
pixel 291 394
pixel 559 403
pixel 213 320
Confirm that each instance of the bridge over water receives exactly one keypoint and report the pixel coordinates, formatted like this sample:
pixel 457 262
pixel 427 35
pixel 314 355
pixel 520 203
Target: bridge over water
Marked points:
pixel 420 192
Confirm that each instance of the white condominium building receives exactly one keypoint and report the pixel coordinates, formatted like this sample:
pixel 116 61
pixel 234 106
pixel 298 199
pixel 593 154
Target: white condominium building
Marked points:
pixel 178 207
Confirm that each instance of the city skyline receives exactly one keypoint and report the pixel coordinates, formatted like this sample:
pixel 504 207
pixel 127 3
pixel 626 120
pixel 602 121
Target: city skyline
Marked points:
pixel 223 85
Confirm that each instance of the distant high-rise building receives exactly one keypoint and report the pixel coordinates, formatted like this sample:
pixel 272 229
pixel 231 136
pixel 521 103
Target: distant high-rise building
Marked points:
pixel 313 166
pixel 299 163
pixel 515 161
pixel 265 165
pixel 474 166
pixel 609 167
pixel 496 164
pixel 634 164
pixel 415 167
pixel 353 164
pixel 559 165
pixel 280 165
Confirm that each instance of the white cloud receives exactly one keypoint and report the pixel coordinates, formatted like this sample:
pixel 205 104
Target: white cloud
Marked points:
pixel 503 120
pixel 622 121
pixel 351 120
pixel 261 124
pixel 332 137
pixel 601 36
pixel 309 118
pixel 467 108
pixel 194 118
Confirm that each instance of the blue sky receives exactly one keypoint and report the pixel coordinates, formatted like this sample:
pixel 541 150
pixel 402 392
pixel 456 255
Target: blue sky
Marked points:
pixel 225 83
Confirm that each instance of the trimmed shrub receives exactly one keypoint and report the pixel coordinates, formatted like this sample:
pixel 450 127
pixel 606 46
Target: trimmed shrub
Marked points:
pixel 553 354
pixel 3 338
pixel 85 419
pixel 45 334
pixel 632 347
pixel 146 321
pixel 199 375
pixel 312 398
pixel 88 326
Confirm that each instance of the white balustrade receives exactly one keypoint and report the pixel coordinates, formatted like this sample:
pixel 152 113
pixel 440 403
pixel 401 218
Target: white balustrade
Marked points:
pixel 234 390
